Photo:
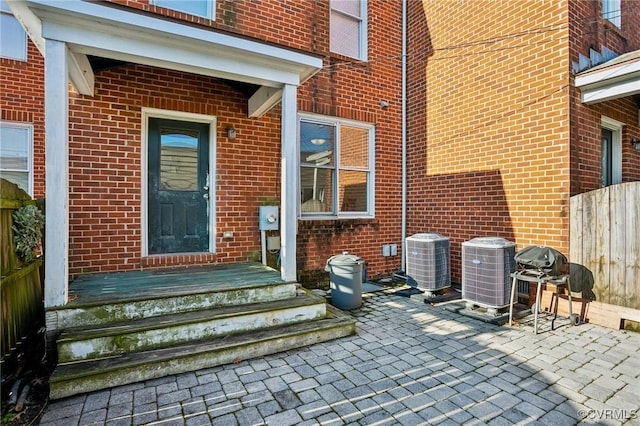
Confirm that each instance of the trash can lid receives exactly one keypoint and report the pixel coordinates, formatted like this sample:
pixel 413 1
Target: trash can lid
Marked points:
pixel 344 259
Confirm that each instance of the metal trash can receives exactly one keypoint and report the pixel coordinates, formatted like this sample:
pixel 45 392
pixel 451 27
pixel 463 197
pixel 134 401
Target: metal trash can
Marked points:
pixel 345 275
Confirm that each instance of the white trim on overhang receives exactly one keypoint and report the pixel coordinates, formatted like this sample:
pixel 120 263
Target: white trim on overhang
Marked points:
pixel 617 78
pixel 108 31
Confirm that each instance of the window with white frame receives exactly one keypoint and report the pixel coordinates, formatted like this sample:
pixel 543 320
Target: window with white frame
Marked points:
pixel 13 39
pixel 611 152
pixel 337 164
pixel 16 154
pixel 348 28
pixel 203 8
pixel 612 12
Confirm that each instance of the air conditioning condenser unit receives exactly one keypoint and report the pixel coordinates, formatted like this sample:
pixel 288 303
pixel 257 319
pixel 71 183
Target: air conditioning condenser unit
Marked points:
pixel 487 264
pixel 428 262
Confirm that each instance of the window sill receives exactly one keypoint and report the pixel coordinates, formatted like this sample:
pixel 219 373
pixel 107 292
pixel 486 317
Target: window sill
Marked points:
pixel 337 223
pixel 334 218
pixel 610 26
pixel 343 58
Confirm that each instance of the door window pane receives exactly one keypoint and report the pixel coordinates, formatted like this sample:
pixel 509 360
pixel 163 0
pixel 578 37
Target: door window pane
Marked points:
pixel 178 161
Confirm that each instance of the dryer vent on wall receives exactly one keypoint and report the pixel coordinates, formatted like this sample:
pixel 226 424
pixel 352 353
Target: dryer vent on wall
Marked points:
pixel 487 264
pixel 428 261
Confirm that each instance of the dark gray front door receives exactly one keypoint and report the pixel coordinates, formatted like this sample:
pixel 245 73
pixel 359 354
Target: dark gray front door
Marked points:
pixel 178 189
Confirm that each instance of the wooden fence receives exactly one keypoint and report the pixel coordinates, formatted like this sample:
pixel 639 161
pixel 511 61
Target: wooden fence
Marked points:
pixel 22 309
pixel 605 243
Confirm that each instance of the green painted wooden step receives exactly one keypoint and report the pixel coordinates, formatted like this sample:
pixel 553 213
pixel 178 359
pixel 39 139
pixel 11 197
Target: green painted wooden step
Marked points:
pixel 93 312
pixel 108 340
pixel 93 375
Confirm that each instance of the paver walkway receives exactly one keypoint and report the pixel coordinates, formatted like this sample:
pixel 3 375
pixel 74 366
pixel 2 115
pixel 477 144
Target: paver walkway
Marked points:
pixel 409 364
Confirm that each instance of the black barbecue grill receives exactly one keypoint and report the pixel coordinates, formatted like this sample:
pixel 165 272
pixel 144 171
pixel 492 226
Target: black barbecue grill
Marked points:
pixel 542 265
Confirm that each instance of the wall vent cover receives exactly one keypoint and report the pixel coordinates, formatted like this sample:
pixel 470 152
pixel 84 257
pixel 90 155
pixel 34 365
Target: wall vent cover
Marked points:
pixel 428 261
pixel 487 264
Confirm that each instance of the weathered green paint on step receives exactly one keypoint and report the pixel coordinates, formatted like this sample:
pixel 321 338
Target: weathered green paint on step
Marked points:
pixel 174 329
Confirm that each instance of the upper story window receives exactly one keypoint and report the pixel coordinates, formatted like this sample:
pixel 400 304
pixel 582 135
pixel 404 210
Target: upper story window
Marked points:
pixel 612 12
pixel 203 8
pixel 348 27
pixel 13 39
pixel 337 164
pixel 16 154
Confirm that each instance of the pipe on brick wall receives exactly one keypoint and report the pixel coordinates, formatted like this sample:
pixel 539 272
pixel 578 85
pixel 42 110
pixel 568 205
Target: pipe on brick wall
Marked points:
pixel 404 136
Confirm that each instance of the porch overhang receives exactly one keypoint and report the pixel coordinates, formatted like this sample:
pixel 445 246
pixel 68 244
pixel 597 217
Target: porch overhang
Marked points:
pixel 110 31
pixel 614 79
pixel 67 32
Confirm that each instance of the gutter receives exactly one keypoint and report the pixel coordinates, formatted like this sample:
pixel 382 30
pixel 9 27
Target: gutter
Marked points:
pixel 404 137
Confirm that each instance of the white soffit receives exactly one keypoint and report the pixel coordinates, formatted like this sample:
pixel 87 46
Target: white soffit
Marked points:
pixel 617 78
pixel 108 31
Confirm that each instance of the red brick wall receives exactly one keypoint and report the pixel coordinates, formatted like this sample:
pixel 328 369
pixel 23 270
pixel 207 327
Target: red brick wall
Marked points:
pixel 591 31
pixel 105 167
pixel 493 157
pixel 105 130
pixel 349 89
pixel 22 100
pixel 295 24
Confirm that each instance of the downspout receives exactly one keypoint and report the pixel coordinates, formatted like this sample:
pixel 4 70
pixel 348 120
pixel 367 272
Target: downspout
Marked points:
pixel 404 136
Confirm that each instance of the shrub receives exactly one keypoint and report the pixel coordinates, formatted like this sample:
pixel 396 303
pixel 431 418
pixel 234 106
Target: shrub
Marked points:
pixel 28 222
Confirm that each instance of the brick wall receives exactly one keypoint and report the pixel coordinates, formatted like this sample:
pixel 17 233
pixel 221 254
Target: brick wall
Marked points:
pixel 106 167
pixel 349 89
pixel 493 158
pixel 106 150
pixel 295 24
pixel 591 31
pixel 22 100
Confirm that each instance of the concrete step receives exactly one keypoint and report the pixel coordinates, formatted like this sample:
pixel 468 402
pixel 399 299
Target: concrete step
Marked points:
pixel 145 306
pixel 114 339
pixel 88 376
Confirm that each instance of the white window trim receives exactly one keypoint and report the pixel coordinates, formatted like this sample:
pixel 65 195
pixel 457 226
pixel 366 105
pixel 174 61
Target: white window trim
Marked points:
pixel 371 189
pixel 211 9
pixel 182 116
pixel 23 53
pixel 363 34
pixel 616 147
pixel 29 128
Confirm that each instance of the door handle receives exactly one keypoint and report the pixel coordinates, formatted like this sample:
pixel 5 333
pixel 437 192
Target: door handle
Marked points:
pixel 205 195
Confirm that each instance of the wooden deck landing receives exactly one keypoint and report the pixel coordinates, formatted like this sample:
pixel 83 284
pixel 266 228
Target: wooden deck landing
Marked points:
pixel 133 285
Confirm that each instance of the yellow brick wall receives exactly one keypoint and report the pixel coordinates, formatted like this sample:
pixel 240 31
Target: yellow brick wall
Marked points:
pixel 497 135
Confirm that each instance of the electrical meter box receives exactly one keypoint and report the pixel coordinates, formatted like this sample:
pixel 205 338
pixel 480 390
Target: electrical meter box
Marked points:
pixel 269 220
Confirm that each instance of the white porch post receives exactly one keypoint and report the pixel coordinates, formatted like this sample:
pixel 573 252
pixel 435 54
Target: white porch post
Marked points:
pixel 56 110
pixel 288 194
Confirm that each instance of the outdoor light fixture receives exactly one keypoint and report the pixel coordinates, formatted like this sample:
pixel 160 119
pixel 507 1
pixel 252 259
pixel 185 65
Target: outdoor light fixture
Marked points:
pixel 383 104
pixel 635 142
pixel 231 132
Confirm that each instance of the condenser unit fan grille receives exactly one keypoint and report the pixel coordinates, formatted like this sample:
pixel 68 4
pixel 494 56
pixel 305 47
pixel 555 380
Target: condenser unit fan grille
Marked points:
pixel 428 262
pixel 486 273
